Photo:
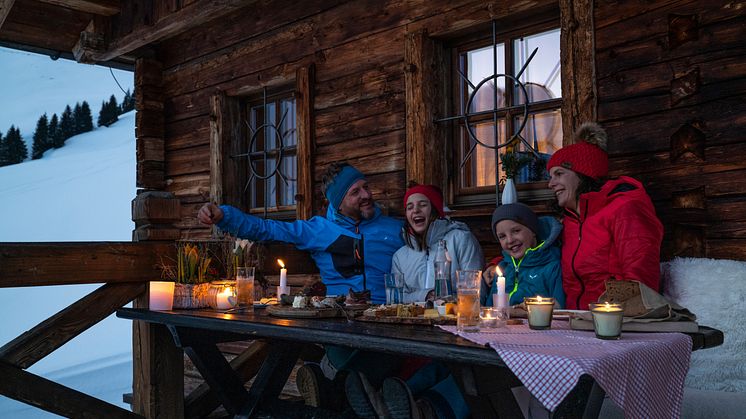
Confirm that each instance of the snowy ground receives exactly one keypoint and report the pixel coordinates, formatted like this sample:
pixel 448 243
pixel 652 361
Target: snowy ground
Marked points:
pixel 80 192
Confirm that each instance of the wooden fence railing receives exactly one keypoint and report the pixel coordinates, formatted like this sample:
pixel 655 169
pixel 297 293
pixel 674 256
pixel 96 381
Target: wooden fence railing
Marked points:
pixel 123 267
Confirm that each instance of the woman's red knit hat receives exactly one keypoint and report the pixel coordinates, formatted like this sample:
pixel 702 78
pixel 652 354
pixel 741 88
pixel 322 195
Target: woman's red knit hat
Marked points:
pixel 432 193
pixel 587 156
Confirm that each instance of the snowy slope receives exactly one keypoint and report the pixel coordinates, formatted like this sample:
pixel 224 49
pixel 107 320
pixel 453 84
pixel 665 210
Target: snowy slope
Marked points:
pixel 80 192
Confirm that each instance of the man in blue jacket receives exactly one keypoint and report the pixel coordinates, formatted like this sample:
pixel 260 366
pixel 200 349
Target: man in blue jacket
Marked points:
pixel 352 246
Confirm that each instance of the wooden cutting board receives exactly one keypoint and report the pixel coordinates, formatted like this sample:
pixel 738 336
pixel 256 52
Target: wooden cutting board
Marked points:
pixel 408 320
pixel 290 312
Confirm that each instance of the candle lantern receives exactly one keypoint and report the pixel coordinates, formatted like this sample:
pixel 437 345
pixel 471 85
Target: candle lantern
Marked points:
pixel 607 320
pixel 222 295
pixel 161 295
pixel 539 312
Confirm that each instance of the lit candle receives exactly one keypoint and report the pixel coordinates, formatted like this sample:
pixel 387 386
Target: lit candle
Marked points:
pixel 539 312
pixel 161 295
pixel 607 320
pixel 491 318
pixel 283 288
pixel 499 299
pixel 225 299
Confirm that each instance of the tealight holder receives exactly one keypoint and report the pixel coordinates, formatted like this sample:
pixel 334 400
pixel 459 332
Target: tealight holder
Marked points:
pixel 607 320
pixel 222 295
pixel 492 318
pixel 539 312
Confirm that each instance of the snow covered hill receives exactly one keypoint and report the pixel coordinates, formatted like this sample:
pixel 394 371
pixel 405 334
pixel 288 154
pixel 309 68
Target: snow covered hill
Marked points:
pixel 80 192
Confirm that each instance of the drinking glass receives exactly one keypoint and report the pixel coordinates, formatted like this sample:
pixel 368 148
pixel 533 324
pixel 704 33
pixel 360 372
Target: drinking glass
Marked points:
pixel 245 287
pixel 467 311
pixel 394 288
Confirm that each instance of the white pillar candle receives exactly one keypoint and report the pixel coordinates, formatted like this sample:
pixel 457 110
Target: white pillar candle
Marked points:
pixel 539 312
pixel 607 320
pixel 161 295
pixel 502 301
pixel 283 287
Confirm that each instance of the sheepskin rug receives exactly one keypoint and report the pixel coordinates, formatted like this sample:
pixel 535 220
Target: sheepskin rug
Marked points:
pixel 715 290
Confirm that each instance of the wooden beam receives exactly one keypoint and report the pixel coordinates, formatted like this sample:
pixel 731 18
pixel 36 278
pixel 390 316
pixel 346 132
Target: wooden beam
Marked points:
pixel 33 345
pixel 189 17
pixel 56 398
pixel 305 103
pixel 425 86
pixel 98 7
pixel 577 42
pixel 5 6
pixel 35 264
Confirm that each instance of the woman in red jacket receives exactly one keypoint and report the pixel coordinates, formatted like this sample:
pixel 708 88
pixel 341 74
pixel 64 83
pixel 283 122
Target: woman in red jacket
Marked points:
pixel 610 227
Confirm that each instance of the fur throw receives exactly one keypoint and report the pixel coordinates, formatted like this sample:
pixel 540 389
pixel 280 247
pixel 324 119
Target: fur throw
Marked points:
pixel 714 290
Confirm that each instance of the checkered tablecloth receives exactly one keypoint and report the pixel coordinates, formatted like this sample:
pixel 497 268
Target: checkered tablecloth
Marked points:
pixel 642 372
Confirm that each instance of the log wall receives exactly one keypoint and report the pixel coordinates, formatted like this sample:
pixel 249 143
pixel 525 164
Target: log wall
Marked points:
pixel 666 81
pixel 671 82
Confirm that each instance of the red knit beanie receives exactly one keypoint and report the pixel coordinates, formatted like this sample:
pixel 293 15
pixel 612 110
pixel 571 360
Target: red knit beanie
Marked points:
pixel 432 193
pixel 587 156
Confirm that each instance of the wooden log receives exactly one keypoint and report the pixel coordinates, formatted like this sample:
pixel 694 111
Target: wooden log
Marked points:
pixel 151 174
pixel 33 345
pixel 37 264
pixel 155 207
pixel 426 89
pixel 161 232
pixel 55 398
pixel 580 101
pixel 148 72
pixel 150 149
pixel 149 123
pixel 305 81
pixel 194 132
pixel 182 20
pixel 158 383
pixel 380 145
pixel 183 162
pixel 5 7
pixel 98 7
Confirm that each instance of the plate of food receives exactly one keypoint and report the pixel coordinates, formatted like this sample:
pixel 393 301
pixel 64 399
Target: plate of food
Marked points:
pixel 312 302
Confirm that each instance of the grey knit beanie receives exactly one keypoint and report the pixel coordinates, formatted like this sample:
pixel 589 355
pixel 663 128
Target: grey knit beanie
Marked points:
pixel 517 212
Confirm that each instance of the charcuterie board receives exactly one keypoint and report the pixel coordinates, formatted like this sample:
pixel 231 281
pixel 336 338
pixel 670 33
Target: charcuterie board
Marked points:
pixel 408 320
pixel 308 312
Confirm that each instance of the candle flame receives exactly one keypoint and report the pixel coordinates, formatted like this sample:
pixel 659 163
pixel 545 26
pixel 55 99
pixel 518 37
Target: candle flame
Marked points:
pixel 538 298
pixel 498 272
pixel 281 263
pixel 608 306
pixel 227 291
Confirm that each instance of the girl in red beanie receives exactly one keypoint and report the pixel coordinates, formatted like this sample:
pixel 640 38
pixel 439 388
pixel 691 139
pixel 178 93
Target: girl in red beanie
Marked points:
pixel 610 227
pixel 426 226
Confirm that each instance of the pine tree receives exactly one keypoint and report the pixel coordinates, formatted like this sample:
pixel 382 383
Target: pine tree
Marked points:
pixel 102 114
pixel 109 113
pixel 52 130
pixel 67 124
pixel 78 119
pixel 4 158
pixel 128 103
pixel 15 146
pixel 86 117
pixel 40 138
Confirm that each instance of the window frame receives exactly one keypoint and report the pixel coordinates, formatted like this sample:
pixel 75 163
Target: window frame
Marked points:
pixel 473 195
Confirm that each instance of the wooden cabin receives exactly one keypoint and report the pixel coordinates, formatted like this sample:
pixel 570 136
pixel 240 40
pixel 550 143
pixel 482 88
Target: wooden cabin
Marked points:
pixel 226 87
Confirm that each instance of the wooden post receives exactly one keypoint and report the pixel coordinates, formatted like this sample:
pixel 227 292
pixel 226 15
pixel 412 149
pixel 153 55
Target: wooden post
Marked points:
pixel 149 125
pixel 580 99
pixel 424 74
pixel 304 95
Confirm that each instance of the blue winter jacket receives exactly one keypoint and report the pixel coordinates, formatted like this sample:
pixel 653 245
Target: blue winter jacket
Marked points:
pixel 538 273
pixel 332 242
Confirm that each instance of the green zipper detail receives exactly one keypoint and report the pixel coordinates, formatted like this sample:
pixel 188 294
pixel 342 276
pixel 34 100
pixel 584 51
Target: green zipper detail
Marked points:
pixel 518 265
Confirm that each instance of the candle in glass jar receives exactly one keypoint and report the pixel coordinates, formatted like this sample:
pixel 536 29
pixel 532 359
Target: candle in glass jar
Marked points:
pixel 607 320
pixel 225 299
pixel 539 312
pixel 491 318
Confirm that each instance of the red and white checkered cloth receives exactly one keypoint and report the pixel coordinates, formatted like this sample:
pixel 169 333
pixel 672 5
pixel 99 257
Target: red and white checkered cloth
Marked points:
pixel 641 372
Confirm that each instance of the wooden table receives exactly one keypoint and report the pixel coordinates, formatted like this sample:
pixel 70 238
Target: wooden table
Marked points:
pixel 198 331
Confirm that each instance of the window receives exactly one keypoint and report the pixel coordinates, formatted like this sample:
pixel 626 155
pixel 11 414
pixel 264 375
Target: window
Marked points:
pixel 254 131
pixel 475 164
pixel 271 140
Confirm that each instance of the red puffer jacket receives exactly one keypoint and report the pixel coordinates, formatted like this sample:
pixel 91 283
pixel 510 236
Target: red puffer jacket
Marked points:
pixel 616 235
